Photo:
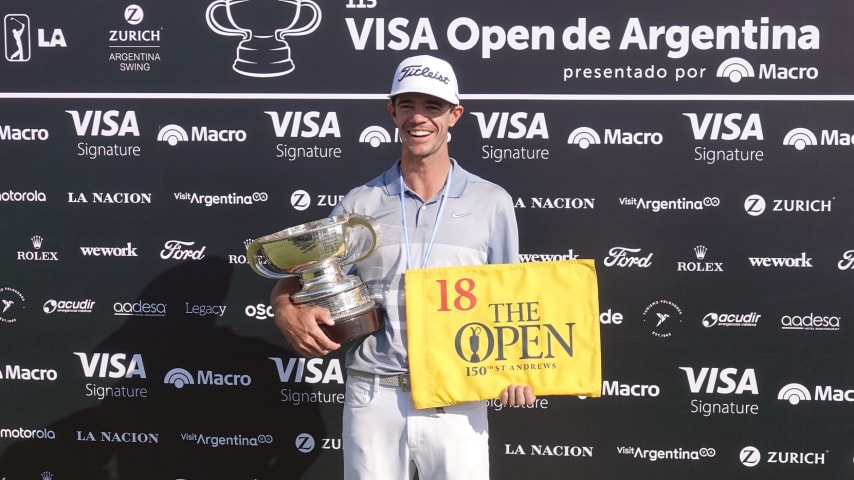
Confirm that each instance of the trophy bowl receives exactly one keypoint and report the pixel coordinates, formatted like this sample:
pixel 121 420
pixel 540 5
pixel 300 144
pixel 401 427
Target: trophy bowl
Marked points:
pixel 316 252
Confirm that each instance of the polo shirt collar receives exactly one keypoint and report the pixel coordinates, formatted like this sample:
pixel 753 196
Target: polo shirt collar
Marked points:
pixel 391 180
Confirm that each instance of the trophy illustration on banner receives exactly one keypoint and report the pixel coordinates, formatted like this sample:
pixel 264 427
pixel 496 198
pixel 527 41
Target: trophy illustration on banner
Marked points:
pixel 316 252
pixel 263 25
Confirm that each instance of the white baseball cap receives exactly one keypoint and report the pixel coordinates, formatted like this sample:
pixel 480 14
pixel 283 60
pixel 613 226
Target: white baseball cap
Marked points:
pixel 426 74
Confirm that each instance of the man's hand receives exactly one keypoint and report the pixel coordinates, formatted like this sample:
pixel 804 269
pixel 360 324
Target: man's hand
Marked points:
pixel 300 325
pixel 517 395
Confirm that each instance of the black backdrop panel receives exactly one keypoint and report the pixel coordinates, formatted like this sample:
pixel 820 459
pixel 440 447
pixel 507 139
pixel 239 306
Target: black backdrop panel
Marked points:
pixel 700 154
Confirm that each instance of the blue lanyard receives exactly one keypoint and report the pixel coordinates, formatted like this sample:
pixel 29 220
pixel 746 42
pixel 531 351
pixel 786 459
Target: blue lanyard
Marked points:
pixel 435 224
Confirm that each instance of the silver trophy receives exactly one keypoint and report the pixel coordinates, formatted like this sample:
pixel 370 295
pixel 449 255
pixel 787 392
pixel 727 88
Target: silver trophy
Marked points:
pixel 316 252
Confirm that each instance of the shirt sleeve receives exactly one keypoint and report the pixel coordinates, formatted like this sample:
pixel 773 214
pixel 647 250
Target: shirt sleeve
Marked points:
pixel 504 242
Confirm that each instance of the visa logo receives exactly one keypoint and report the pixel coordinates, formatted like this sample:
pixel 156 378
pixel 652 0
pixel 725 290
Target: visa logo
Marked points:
pixel 730 126
pixel 514 125
pixel 107 123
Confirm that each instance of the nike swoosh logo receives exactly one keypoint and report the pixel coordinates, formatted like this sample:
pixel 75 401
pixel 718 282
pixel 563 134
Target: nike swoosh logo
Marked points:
pixel 460 214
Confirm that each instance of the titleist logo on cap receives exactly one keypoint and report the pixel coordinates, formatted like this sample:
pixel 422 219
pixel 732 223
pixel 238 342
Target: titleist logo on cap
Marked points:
pixel 421 71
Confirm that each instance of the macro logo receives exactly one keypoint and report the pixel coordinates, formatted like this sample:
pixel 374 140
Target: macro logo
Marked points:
pixel 178 377
pixel 172 134
pixel 584 137
pixel 9 133
pixel 374 136
pixel 794 393
pixel 800 138
pixel 735 69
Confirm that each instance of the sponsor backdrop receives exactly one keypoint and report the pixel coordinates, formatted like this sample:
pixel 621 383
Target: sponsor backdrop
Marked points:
pixel 699 153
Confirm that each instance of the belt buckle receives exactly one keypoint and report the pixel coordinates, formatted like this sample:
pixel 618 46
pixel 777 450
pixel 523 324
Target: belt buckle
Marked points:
pixel 403 381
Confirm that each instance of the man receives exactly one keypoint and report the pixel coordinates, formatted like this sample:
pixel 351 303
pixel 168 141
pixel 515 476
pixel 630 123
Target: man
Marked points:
pixel 431 213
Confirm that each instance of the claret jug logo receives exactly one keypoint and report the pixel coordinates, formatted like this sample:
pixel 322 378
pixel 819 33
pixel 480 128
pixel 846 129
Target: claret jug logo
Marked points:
pixel 263 26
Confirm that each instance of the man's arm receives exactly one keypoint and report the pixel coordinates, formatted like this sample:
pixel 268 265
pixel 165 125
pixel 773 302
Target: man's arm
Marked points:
pixel 300 324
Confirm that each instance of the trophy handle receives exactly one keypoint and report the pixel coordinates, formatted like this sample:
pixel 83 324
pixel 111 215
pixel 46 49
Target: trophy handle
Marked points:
pixel 361 221
pixel 217 27
pixel 252 260
pixel 308 28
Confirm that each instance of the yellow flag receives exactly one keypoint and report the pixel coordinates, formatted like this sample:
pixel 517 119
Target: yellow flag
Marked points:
pixel 473 330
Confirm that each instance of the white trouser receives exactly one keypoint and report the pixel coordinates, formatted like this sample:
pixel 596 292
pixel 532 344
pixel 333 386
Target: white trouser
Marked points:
pixel 386 438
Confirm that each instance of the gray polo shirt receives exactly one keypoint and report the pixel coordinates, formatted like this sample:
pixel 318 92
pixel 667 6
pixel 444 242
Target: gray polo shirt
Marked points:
pixel 478 226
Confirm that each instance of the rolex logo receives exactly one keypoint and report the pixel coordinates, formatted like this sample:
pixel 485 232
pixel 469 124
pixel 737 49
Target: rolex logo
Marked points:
pixel 700 251
pixel 47 476
pixel 247 242
pixel 37 241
